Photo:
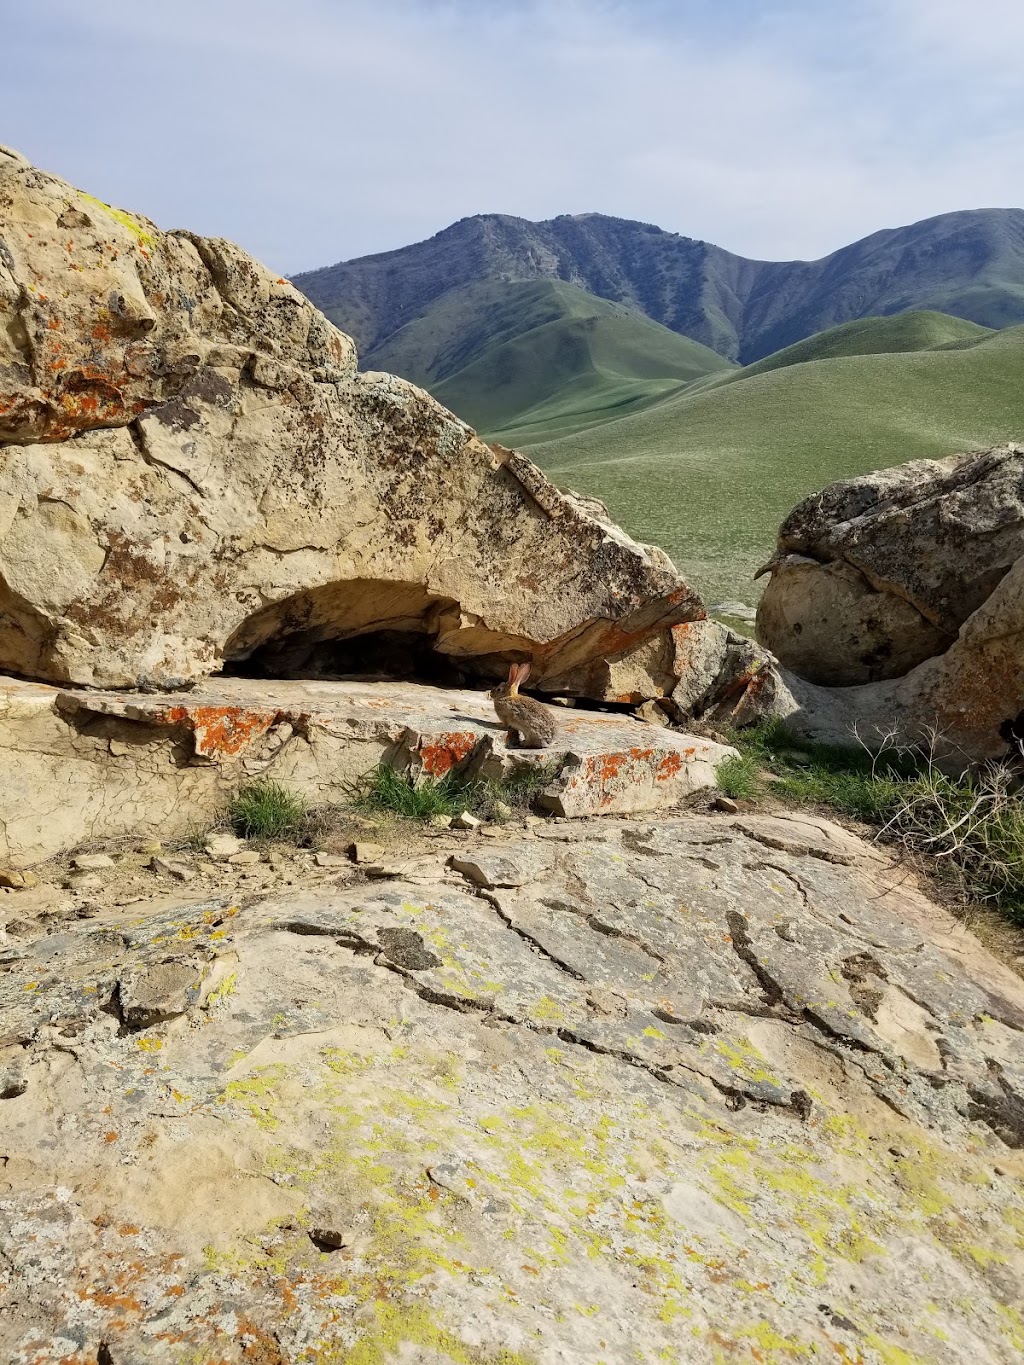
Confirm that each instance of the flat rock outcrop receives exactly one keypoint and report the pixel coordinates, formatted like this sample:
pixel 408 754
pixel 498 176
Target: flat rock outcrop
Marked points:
pixel 909 581
pixel 702 1090
pixel 79 764
pixel 192 473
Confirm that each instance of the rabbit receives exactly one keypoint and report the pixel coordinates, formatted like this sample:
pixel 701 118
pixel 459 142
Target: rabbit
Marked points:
pixel 529 720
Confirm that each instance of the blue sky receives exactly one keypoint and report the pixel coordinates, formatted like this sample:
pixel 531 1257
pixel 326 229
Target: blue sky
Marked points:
pixel 315 130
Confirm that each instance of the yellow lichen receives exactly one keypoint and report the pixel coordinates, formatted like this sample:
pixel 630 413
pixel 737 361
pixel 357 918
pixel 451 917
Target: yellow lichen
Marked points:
pixel 144 238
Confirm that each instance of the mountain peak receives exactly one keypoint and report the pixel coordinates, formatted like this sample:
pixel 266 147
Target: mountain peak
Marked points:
pixel 969 263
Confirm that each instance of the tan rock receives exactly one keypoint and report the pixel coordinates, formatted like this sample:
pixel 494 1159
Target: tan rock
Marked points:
pixel 172 867
pixel 14 880
pixel 830 626
pixel 235 491
pixel 695 1045
pixel 221 847
pixel 188 752
pixel 330 860
pixel 941 545
pixel 93 862
pixel 361 852
pixel 876 574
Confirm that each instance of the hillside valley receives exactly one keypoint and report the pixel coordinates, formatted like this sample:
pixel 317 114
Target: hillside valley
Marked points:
pixel 709 472
pixel 609 349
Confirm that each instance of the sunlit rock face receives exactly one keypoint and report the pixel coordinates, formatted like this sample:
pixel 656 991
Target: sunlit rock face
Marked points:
pixel 193 473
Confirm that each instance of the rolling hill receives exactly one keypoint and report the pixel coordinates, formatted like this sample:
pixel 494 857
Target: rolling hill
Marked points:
pixel 915 331
pixel 556 360
pixel 710 471
pixel 969 264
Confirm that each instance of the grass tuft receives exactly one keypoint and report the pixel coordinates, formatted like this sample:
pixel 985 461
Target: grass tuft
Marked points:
pixel 395 793
pixel 970 827
pixel 741 778
pixel 386 790
pixel 266 810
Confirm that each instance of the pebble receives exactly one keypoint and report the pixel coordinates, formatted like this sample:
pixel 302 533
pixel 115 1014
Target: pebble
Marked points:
pixel 726 804
pixel 181 872
pixel 85 881
pixel 440 821
pixel 223 847
pixel 248 858
pixel 502 811
pixel 331 860
pixel 92 862
pixel 466 821
pixel 331 1237
pixel 365 853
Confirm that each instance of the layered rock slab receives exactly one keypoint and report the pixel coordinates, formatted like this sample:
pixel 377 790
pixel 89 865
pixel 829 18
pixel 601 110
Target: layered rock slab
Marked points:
pixel 192 472
pixel 693 1090
pixel 84 764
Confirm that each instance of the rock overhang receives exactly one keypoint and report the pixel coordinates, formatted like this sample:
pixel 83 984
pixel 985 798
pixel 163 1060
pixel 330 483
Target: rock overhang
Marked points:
pixel 189 454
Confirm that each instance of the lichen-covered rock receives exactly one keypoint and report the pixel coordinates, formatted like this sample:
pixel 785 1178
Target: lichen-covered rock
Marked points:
pixel 78 764
pixel 966 704
pixel 876 574
pixel 192 472
pixel 909 581
pixel 698 1090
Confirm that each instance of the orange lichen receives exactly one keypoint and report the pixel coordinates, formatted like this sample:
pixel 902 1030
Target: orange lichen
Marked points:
pixel 220 731
pixel 669 767
pixel 610 766
pixel 440 755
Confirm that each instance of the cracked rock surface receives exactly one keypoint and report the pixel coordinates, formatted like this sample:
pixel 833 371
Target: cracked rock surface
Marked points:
pixel 703 1089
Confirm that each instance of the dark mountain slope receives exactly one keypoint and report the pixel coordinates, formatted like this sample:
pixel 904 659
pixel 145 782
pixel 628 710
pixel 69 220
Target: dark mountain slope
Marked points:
pixel 968 264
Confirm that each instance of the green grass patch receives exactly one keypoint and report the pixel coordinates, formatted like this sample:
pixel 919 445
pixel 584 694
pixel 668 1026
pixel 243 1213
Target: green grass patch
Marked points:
pixel 386 791
pixel 741 778
pixel 969 827
pixel 394 793
pixel 266 810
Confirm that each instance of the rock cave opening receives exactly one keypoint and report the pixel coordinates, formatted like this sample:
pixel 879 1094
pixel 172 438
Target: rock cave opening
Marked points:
pixel 364 629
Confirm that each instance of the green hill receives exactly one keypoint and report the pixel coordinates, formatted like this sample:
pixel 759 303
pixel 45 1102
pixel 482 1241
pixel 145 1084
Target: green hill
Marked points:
pixel 710 471
pixel 916 331
pixel 969 264
pixel 532 360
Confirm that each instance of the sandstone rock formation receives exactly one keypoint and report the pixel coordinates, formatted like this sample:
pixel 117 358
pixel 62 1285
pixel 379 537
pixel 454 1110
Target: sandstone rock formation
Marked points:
pixel 876 574
pixel 911 581
pixel 193 473
pixel 79 764
pixel 697 1091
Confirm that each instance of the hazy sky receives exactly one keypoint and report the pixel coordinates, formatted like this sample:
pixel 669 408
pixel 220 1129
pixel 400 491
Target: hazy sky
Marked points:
pixel 315 130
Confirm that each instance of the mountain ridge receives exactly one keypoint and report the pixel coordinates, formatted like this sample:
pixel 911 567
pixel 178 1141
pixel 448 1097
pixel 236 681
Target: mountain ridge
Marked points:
pixel 968 263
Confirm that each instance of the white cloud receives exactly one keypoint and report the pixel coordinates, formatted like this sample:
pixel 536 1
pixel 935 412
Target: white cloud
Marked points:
pixel 311 130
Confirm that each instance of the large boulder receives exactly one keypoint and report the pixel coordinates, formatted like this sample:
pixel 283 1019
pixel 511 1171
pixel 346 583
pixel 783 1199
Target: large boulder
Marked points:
pixel 874 575
pixel 909 582
pixel 966 704
pixel 193 474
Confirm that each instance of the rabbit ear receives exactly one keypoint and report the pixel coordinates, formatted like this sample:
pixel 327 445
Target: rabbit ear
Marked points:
pixel 523 672
pixel 513 673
